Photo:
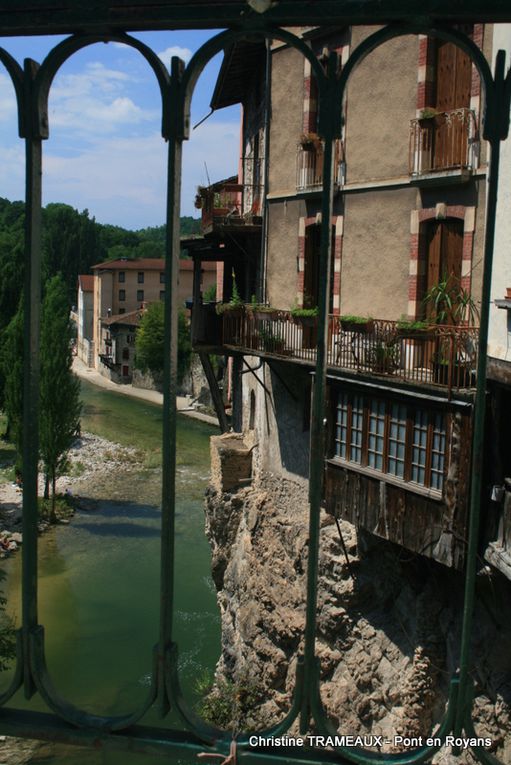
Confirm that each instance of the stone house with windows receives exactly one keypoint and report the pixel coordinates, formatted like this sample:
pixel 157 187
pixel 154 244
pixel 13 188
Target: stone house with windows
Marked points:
pixel 121 288
pixel 409 207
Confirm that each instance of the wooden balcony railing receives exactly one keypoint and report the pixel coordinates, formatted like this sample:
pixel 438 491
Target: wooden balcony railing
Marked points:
pixel 445 141
pixel 309 166
pixel 443 356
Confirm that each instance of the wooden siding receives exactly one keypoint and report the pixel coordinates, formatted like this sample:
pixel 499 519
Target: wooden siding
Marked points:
pixel 432 527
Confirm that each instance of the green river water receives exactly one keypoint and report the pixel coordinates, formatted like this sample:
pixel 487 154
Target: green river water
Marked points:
pixel 99 576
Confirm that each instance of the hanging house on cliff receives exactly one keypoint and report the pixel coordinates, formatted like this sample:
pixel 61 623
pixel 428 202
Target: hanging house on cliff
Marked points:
pixel 406 248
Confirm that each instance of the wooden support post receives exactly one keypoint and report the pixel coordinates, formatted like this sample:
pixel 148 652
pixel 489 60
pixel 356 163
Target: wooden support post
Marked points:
pixel 215 391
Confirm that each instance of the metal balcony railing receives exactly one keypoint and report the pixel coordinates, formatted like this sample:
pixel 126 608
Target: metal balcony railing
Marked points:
pixel 444 141
pixel 440 355
pixel 309 165
pixel 230 202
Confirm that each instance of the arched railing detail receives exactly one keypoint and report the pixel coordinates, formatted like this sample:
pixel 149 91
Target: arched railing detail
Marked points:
pixel 32 87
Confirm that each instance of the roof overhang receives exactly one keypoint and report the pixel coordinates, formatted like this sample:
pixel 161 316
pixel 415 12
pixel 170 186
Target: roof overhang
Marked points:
pixel 27 17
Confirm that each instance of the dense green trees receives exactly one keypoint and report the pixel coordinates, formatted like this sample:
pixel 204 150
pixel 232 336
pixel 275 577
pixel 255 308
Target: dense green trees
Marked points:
pixel 149 341
pixel 60 405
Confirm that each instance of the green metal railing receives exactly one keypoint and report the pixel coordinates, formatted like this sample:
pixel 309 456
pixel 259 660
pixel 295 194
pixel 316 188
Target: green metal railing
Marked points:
pixel 65 722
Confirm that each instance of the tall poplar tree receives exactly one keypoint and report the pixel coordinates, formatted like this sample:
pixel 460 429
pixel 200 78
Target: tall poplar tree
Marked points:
pixel 60 405
pixel 11 378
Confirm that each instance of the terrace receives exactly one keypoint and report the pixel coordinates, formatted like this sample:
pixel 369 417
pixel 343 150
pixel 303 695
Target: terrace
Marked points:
pixel 441 356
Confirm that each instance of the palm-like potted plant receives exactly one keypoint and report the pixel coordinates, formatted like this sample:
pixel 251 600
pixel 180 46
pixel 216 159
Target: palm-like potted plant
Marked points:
pixel 450 304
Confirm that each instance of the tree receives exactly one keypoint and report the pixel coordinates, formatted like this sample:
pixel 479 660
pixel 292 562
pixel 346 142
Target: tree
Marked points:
pixel 11 377
pixel 60 405
pixel 149 341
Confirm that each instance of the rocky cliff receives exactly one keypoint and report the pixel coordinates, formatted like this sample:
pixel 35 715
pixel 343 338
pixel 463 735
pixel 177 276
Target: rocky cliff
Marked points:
pixel 388 622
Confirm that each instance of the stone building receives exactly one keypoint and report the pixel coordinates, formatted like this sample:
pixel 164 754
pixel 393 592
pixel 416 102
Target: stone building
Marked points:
pixel 121 289
pixel 408 222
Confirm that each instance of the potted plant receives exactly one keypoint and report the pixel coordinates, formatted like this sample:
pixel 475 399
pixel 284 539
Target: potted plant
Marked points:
pixel 412 329
pixel 199 197
pixel 351 323
pixel 430 116
pixel 273 343
pixel 450 303
pixel 383 356
pixel 308 317
pixel 311 142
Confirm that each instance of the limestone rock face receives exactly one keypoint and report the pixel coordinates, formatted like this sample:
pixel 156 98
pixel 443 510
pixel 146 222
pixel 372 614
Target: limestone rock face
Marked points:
pixel 388 623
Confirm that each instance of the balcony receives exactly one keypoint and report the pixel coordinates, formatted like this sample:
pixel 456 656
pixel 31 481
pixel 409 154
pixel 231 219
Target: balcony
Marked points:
pixel 309 165
pixel 441 356
pixel 445 143
pixel 229 204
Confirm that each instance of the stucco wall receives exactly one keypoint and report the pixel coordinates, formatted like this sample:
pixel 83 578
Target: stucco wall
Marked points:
pixel 499 343
pixel 381 101
pixel 280 429
pixel 287 118
pixel 283 252
pixel 376 253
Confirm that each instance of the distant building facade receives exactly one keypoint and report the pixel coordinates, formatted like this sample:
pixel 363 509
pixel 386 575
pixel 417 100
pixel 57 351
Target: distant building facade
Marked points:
pixel 85 320
pixel 120 290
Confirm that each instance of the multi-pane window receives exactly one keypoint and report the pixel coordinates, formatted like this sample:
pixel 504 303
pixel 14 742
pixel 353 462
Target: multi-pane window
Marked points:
pixel 122 295
pixel 391 437
pixel 140 296
pixel 162 277
pixel 140 277
pixel 162 294
pixel 122 276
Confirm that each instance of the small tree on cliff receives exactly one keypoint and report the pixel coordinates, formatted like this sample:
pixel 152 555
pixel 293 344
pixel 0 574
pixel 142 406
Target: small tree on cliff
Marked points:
pixel 60 410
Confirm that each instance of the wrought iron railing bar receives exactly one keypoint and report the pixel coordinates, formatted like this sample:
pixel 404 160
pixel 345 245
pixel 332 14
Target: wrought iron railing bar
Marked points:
pixel 328 112
pixel 172 249
pixel 32 311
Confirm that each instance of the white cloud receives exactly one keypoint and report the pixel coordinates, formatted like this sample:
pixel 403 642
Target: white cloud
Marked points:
pixel 95 101
pixel 8 107
pixel 123 181
pixel 175 50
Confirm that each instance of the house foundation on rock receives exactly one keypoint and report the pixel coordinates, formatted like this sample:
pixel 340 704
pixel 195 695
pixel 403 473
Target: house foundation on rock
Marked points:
pixel 406 250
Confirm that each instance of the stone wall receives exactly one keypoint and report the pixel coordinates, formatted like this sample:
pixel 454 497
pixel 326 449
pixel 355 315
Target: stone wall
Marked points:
pixel 388 624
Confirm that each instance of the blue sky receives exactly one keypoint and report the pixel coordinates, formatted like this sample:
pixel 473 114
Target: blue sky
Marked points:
pixel 105 151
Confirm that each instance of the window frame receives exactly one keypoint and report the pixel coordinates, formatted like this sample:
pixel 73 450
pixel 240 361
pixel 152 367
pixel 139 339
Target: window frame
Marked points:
pixel 435 417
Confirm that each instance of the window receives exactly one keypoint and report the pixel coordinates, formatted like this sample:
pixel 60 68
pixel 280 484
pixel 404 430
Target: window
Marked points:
pixel 125 353
pixel 391 437
pixel 140 277
pixel 162 278
pixel 140 296
pixel 122 310
pixel 122 276
pixel 162 294
pixel 122 295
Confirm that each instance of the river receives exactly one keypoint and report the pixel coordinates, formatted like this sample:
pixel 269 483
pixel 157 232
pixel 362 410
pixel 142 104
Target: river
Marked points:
pixel 99 576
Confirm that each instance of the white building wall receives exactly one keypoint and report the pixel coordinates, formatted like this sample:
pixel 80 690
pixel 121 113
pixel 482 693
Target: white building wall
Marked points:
pixel 499 341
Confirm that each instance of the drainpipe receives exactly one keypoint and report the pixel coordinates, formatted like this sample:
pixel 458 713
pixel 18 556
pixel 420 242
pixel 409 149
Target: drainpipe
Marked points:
pixel 267 118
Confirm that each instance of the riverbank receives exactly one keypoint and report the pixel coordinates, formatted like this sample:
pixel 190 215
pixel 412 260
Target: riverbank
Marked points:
pixel 184 403
pixel 91 458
